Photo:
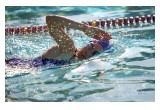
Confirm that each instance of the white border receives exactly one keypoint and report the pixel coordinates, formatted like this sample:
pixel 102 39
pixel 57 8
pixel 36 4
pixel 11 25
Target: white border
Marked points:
pixel 77 106
pixel 157 54
pixel 78 3
pixel 2 54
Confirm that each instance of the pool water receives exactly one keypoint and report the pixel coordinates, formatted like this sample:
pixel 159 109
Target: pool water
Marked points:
pixel 124 73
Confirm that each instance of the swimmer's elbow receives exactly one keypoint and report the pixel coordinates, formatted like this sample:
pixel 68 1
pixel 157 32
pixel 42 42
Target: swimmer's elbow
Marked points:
pixel 51 17
pixel 48 18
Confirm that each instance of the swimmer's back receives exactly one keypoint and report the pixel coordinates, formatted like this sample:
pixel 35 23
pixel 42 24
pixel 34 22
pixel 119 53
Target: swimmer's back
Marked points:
pixel 36 62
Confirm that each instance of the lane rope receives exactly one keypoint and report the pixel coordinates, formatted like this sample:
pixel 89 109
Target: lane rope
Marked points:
pixel 101 23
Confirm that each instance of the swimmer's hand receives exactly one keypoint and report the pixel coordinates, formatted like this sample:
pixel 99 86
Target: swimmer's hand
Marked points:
pixel 97 33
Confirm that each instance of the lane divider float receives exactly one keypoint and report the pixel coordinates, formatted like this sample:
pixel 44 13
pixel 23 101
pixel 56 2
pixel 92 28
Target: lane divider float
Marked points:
pixel 96 23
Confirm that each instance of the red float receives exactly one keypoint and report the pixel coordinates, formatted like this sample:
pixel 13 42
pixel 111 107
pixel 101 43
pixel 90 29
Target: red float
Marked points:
pixel 45 28
pixel 137 19
pixel 120 21
pixel 34 29
pixel 17 30
pixel 114 22
pixel 153 18
pixel 125 21
pixel 143 18
pixel 40 29
pixel 6 31
pixel 131 20
pixel 90 23
pixel 97 23
pixel 108 21
pixel 148 18
pixel 11 30
pixel 103 22
pixel 29 29
pixel 22 30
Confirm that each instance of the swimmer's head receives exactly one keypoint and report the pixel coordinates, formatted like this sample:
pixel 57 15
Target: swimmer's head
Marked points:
pixel 93 47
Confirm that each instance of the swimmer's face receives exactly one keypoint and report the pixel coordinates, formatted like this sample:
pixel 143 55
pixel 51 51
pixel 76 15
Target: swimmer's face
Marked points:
pixel 89 50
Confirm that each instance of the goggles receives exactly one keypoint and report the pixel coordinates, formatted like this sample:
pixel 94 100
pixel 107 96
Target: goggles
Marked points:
pixel 90 46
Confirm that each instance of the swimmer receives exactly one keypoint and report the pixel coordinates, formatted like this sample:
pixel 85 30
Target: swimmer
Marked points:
pixel 65 51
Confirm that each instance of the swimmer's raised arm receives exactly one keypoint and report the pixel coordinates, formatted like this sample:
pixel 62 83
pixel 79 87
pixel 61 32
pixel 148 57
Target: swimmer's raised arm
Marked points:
pixel 59 22
pixel 55 21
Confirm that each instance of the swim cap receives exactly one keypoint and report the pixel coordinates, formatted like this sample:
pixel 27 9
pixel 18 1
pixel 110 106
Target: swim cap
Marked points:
pixel 104 43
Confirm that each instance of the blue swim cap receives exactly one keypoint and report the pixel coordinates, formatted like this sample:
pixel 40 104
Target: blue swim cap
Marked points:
pixel 104 43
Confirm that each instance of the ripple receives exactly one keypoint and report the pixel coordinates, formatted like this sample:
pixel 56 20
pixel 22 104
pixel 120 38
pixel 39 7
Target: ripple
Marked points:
pixel 47 97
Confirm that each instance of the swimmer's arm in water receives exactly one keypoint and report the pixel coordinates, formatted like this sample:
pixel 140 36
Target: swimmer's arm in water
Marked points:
pixel 61 22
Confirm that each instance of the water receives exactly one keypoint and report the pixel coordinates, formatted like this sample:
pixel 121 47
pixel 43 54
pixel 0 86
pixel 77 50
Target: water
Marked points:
pixel 125 73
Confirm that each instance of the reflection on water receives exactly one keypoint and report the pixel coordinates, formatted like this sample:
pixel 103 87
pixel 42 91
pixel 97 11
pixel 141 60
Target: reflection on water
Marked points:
pixel 28 12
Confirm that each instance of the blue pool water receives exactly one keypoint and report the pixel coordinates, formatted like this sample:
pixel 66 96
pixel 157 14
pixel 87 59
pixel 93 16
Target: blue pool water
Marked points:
pixel 124 73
